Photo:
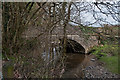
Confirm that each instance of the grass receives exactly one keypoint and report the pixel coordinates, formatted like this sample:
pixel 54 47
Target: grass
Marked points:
pixel 109 55
pixel 111 63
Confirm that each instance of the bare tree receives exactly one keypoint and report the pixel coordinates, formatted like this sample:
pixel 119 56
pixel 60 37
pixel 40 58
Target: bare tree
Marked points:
pixel 28 28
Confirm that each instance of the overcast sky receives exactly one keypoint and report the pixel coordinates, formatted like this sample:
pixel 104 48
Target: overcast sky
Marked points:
pixel 88 18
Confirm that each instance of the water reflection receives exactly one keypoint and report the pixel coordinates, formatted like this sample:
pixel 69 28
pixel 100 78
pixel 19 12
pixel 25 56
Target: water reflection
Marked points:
pixel 47 55
pixel 73 60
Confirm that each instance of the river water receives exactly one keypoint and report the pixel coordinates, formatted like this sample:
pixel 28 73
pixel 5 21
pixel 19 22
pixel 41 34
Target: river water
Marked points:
pixel 73 60
pixel 74 63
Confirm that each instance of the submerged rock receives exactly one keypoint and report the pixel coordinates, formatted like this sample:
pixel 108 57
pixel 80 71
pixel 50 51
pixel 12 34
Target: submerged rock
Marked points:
pixel 92 59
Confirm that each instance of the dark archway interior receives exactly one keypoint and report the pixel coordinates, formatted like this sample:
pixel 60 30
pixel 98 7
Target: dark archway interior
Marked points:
pixel 73 46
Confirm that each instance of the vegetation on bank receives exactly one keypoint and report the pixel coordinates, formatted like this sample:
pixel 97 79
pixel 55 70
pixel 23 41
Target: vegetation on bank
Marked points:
pixel 109 55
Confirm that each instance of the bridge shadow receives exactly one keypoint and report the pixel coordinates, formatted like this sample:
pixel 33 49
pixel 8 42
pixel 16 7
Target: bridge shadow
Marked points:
pixel 73 46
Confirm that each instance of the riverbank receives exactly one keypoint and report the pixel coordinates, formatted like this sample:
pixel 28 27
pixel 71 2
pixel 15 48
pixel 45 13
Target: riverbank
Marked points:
pixel 109 55
pixel 104 63
pixel 90 67
pixel 97 69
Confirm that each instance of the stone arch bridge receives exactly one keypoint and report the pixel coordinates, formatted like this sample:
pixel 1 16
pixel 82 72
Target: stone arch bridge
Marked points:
pixel 86 44
pixel 74 34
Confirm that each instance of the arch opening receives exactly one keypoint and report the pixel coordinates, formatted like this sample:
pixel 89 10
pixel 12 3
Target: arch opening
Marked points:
pixel 73 46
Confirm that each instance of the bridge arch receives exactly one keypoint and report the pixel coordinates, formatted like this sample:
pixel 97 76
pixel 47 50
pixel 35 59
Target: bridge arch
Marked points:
pixel 73 46
pixel 84 44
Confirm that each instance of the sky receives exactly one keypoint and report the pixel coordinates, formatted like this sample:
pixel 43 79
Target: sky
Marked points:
pixel 87 17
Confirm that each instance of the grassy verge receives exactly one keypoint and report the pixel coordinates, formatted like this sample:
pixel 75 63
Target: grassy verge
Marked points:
pixel 111 63
pixel 109 55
